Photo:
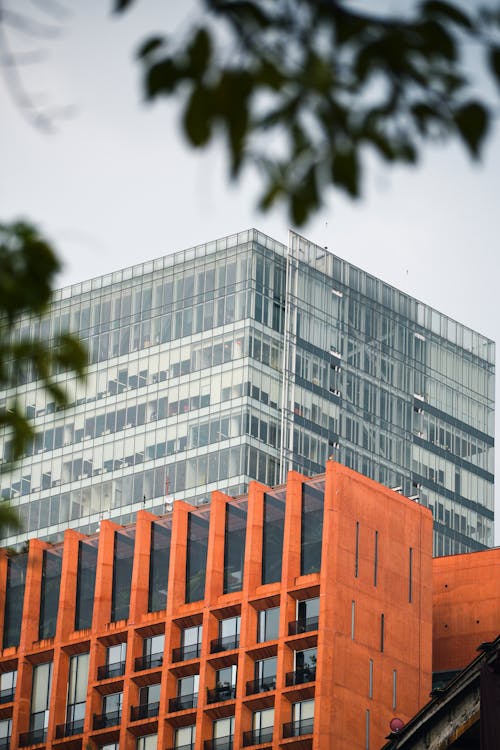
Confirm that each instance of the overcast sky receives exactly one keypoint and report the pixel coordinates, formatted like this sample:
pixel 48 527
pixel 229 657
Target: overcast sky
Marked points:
pixel 116 185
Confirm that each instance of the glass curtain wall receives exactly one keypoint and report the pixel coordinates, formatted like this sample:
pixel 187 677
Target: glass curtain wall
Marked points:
pixel 122 575
pixel 312 529
pixel 159 566
pixel 234 545
pixel 49 600
pixel 87 566
pixel 272 540
pixel 14 598
pixel 196 560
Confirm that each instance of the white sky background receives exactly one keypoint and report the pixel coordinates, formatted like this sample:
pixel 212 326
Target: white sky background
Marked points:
pixel 116 185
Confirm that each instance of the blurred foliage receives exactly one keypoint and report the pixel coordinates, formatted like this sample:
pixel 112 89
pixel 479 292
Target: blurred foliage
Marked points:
pixel 28 266
pixel 305 89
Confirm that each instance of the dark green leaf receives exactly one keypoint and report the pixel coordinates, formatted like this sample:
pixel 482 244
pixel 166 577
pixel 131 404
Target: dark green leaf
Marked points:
pixel 198 116
pixel 199 52
pixel 150 45
pixel 494 61
pixel 345 171
pixel 472 121
pixel 162 78
pixel 122 5
pixel 448 12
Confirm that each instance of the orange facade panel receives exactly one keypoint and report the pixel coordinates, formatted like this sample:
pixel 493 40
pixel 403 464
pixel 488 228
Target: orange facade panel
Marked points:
pixel 299 616
pixel 466 606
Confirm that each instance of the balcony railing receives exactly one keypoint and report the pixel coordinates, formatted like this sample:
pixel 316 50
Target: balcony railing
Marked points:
pixel 305 625
pixel 192 651
pixel 258 736
pixel 35 737
pixel 219 743
pixel 111 719
pixel 144 711
pixel 7 695
pixel 4 743
pixel 69 729
pixel 106 671
pixel 297 728
pixel 221 693
pixel 300 676
pixel 182 702
pixel 182 747
pixel 226 643
pixel 150 661
pixel 262 685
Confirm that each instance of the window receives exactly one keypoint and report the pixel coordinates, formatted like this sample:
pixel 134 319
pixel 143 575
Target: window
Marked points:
pixel 356 560
pixel 112 709
pixel 5 733
pixel 305 667
pixel 40 698
pixel 87 564
pixel 262 726
pixel 307 615
pixel 223 731
pixel 410 575
pixel 311 529
pixel 122 575
pixel 229 635
pixel 370 678
pixel 272 537
pixel 8 682
pixel 234 546
pixel 196 559
pixel 187 692
pixel 191 642
pixel 149 701
pixel 152 652
pixel 382 631
pixel 49 599
pixel 14 596
pixel 375 560
pixel 185 737
pixel 77 692
pixel 115 660
pixel 265 675
pixel 225 683
pixel 302 718
pixel 150 742
pixel 269 623
pixel 159 562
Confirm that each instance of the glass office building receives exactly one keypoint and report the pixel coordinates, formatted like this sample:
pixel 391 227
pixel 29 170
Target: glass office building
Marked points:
pixel 240 359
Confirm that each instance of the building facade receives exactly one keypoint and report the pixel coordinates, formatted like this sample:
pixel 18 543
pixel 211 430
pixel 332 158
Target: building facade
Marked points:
pixel 242 359
pixel 298 617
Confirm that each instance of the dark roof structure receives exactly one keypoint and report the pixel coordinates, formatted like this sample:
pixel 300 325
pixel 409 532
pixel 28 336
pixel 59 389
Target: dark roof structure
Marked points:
pixel 463 715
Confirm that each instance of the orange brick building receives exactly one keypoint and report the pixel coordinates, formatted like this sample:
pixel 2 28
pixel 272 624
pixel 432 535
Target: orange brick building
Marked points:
pixel 296 617
pixel 466 606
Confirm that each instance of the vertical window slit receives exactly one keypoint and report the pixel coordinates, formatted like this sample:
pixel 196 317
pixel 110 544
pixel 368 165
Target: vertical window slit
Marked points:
pixel 353 613
pixel 382 634
pixel 375 560
pixel 356 563
pixel 410 576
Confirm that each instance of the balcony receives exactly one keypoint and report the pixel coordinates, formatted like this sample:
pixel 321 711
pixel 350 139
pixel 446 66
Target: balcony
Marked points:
pixel 298 728
pixel 111 719
pixel 226 643
pixel 192 651
pixel 4 743
pixel 300 676
pixel 182 747
pixel 7 695
pixel 35 737
pixel 220 743
pixel 69 729
pixel 262 685
pixel 182 702
pixel 303 626
pixel 151 661
pixel 144 711
pixel 106 671
pixel 258 736
pixel 221 693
